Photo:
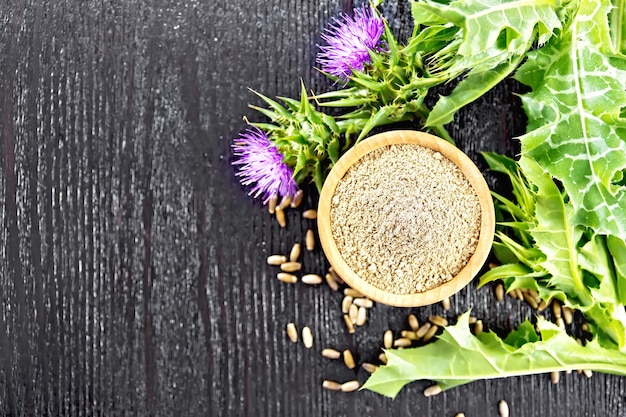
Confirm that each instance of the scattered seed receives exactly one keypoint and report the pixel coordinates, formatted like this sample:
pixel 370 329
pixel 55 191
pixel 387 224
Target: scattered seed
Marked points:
pixel 369 367
pixel 409 334
pixel 555 376
pixel 297 199
pixel 332 271
pixel 331 353
pixel 310 214
pixel 331 385
pixel 402 342
pixel 568 315
pixel 353 312
pixel 423 330
pixel 383 358
pixel 361 316
pixel 309 240
pixel 414 324
pixel 284 202
pixel 556 308
pixel 430 333
pixel 587 373
pixel 352 293
pixel 388 339
pixel 445 303
pixel 542 305
pixel 311 279
pixel 503 408
pixel 287 278
pixel 584 327
pixel 560 322
pixel 499 292
pixel 331 282
pixel 345 304
pixel 363 302
pixel 349 324
pixel 280 217
pixel 348 359
pixel 271 207
pixel 478 327
pixel 350 386
pixel 295 252
pixel 530 300
pixel 472 320
pixel 276 260
pixel 518 294
pixel 292 332
pixel 290 266
pixel 432 390
pixel 459 415
pixel 438 320
pixel 569 371
pixel 534 294
pixel 492 265
pixel 307 337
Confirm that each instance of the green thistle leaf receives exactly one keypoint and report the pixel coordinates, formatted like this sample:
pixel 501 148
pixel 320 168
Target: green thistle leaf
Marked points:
pixel 554 233
pixel 486 40
pixel 578 133
pixel 459 357
pixel 483 22
pixel 468 90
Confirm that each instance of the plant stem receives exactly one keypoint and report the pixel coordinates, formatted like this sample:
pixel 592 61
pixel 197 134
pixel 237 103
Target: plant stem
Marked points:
pixel 618 14
pixel 439 130
pixel 442 133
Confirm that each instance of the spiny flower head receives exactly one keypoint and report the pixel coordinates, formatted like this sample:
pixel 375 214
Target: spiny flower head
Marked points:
pixel 262 166
pixel 350 40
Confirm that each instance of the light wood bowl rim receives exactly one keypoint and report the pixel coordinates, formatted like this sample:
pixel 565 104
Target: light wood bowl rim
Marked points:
pixel 471 172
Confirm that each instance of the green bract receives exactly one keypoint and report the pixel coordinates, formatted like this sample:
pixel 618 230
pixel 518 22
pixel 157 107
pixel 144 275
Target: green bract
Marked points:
pixel 391 89
pixel 310 141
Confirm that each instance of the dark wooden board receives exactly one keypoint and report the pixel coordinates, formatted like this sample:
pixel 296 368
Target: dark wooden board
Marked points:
pixel 132 264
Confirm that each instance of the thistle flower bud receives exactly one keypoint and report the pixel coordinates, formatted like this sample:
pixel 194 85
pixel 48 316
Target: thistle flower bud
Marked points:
pixel 261 165
pixel 349 42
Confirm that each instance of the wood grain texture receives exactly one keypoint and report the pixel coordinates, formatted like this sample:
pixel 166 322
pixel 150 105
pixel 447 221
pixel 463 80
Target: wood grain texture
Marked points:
pixel 132 265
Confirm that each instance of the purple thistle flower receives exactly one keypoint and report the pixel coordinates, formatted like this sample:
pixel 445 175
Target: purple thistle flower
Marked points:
pixel 262 165
pixel 350 41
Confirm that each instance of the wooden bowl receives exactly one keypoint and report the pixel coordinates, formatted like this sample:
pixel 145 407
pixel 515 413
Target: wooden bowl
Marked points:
pixel 473 175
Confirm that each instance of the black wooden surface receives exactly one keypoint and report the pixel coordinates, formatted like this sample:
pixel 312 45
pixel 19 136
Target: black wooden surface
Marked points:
pixel 132 264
